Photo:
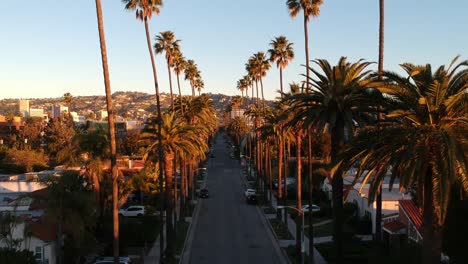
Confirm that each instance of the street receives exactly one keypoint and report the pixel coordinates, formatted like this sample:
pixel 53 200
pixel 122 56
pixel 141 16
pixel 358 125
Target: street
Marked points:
pixel 228 230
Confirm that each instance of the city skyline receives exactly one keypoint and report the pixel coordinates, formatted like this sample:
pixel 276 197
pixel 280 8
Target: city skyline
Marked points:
pixel 54 49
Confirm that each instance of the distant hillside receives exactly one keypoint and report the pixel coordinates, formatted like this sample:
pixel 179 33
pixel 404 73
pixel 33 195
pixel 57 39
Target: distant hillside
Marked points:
pixel 135 105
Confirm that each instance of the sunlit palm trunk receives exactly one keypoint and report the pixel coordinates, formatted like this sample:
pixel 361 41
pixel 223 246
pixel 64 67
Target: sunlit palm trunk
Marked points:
pixel 111 121
pixel 183 196
pixel 378 211
pixel 169 172
pixel 161 151
pixel 306 40
pixel 180 96
pixel 337 144
pixel 170 85
pixel 299 190
pixel 286 174
pixel 281 81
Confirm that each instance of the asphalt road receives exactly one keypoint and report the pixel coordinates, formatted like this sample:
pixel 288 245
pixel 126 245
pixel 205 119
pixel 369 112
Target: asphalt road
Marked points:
pixel 228 230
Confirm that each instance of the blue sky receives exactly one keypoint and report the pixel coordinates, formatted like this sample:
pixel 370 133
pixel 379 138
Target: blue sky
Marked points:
pixel 48 49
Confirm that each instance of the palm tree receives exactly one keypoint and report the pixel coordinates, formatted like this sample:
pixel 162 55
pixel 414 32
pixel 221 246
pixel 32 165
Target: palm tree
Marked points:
pixel 259 65
pixel 310 8
pixel 112 142
pixel 282 53
pixel 191 73
pixel 428 142
pixel 177 137
pixel 166 42
pixel 144 10
pixel 378 211
pixel 179 64
pixel 199 84
pixel 338 99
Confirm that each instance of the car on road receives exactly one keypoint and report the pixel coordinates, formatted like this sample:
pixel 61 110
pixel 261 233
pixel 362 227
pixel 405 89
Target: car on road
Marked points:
pixel 204 193
pixel 250 192
pixel 315 208
pixel 133 210
pixel 110 260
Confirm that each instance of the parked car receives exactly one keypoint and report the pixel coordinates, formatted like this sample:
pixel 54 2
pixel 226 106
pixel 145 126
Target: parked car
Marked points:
pixel 134 210
pixel 315 208
pixel 110 260
pixel 203 193
pixel 250 192
pixel 252 199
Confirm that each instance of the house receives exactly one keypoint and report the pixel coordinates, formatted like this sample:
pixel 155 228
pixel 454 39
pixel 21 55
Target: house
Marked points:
pixel 407 223
pixel 358 194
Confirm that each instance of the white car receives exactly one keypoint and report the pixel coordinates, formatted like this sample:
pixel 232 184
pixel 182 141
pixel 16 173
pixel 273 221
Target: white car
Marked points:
pixel 134 210
pixel 315 208
pixel 250 192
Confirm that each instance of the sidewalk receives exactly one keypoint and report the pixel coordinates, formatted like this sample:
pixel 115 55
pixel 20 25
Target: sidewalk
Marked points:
pixel 292 229
pixel 154 253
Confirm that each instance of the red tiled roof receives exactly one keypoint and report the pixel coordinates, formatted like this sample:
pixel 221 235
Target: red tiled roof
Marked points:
pixel 413 212
pixel 43 231
pixel 394 226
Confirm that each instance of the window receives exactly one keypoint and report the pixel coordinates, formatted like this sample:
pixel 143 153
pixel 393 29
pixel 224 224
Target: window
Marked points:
pixel 38 254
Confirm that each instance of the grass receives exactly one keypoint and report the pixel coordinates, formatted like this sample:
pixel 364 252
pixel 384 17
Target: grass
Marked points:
pixel 269 210
pixel 356 251
pixel 140 231
pixel 280 229
pixel 322 230
pixel 293 257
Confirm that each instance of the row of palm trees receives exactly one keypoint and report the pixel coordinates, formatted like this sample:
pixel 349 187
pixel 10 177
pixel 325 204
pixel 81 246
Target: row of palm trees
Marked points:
pixel 414 126
pixel 190 120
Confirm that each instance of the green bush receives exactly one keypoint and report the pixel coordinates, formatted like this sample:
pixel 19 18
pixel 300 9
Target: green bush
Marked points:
pixel 13 256
pixel 8 168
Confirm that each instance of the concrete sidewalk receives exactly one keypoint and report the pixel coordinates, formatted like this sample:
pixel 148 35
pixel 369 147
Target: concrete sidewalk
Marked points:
pixel 292 229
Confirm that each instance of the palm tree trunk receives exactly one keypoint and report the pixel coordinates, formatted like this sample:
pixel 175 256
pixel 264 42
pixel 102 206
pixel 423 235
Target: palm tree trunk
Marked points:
pixel 161 151
pixel 169 223
pixel 286 174
pixel 432 231
pixel 180 96
pixel 281 81
pixel 299 191
pixel 170 85
pixel 263 98
pixel 256 87
pixel 193 88
pixel 337 144
pixel 280 170
pixel 182 190
pixel 306 40
pixel 378 211
pixel 310 182
pixel 111 121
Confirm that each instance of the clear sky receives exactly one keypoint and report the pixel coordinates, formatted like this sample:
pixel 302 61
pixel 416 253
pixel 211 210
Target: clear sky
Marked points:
pixel 48 48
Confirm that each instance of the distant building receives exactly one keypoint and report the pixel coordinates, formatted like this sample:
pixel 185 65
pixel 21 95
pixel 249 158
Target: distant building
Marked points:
pixel 23 107
pixel 103 114
pixel 237 112
pixel 38 112
pixel 57 110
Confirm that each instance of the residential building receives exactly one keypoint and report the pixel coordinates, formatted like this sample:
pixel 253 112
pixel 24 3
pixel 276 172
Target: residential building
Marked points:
pixel 23 107
pixel 57 110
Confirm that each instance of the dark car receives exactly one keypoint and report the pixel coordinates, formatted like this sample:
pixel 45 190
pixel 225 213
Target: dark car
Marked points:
pixel 203 193
pixel 251 199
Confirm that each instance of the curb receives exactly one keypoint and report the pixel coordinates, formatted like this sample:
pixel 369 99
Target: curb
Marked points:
pixel 283 256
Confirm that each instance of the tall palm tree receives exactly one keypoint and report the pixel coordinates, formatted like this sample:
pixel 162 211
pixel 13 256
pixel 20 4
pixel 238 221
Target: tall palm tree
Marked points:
pixel 166 42
pixel 191 74
pixel 177 137
pixel 429 142
pixel 259 66
pixel 179 64
pixel 112 142
pixel 378 211
pixel 199 84
pixel 339 98
pixel 144 10
pixel 310 8
pixel 282 53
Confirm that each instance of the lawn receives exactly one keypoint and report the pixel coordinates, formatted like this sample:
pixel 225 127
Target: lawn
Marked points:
pixel 321 231
pixel 280 229
pixel 356 251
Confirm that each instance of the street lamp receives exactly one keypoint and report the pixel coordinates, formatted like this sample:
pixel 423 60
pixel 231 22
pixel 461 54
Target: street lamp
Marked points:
pixel 302 229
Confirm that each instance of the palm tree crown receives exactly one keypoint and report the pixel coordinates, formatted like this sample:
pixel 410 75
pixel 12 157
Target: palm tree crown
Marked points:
pixel 144 8
pixel 311 8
